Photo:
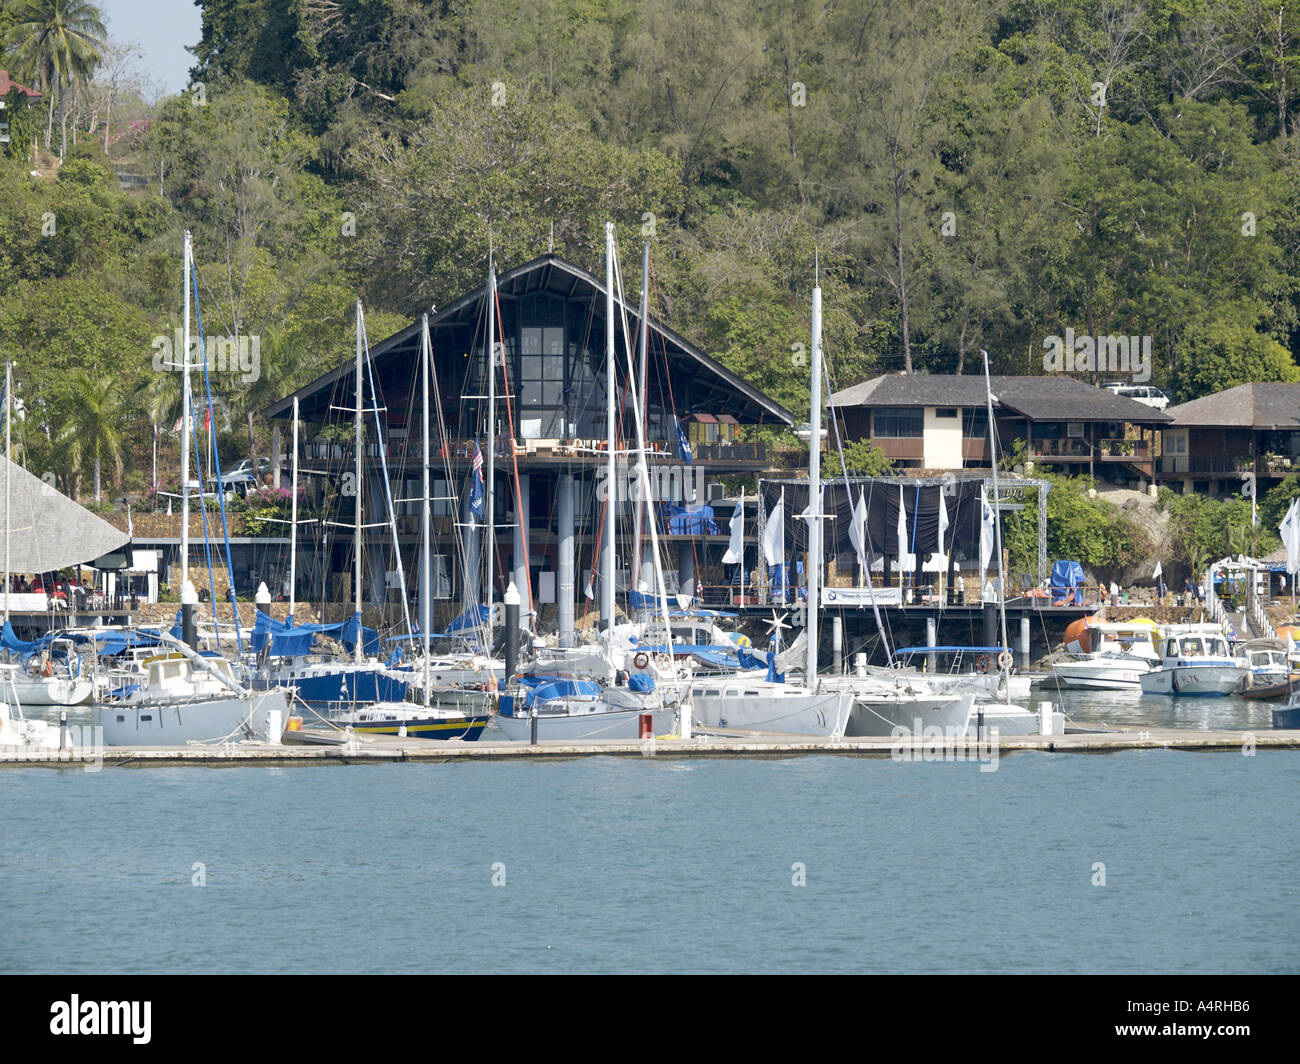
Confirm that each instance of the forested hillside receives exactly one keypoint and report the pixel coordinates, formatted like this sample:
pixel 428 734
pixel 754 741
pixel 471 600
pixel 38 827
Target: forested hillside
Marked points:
pixel 972 174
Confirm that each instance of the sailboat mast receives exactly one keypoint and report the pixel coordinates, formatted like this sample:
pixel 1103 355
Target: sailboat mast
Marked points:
pixel 611 483
pixel 815 486
pixel 997 521
pixel 185 424
pixel 490 508
pixel 356 505
pixel 426 583
pixel 293 520
pixel 9 387
pixel 643 350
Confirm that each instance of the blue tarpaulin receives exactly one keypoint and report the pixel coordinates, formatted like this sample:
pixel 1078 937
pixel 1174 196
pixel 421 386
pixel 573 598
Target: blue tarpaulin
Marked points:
pixel 1067 584
pixel 9 641
pixel 683 521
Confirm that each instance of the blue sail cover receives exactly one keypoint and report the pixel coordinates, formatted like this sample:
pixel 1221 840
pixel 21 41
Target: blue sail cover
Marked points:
pixel 9 641
pixel 474 617
pixel 298 640
pixel 1067 583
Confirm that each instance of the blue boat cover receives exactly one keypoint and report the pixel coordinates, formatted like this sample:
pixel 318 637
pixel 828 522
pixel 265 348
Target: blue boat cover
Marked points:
pixel 683 521
pixel 562 687
pixel 9 641
pixel 641 681
pixel 1067 583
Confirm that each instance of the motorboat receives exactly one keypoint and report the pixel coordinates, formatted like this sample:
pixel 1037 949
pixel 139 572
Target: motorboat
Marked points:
pixel 1119 655
pixel 1196 660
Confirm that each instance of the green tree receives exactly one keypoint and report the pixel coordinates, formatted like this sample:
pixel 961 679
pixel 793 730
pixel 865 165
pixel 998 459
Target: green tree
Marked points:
pixel 57 41
pixel 94 432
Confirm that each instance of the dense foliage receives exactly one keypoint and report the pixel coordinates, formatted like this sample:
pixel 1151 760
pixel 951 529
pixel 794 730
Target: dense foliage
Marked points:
pixel 968 174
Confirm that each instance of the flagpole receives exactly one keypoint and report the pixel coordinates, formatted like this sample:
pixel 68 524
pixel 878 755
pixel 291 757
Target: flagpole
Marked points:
pixel 742 545
pixel 997 524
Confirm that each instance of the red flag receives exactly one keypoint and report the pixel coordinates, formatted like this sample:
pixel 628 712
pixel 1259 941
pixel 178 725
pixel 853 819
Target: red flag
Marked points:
pixel 207 419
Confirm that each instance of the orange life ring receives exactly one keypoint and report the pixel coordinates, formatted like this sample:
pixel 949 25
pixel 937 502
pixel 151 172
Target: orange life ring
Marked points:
pixel 982 664
pixel 641 659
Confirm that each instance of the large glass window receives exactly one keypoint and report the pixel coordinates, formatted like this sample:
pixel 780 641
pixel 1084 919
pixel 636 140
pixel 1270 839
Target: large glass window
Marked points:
pixel 892 424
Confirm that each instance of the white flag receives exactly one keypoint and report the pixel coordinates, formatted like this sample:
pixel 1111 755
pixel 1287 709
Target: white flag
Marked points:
pixel 1156 574
pixel 736 547
pixel 1289 530
pixel 902 528
pixel 987 530
pixel 774 535
pixel 858 529
pixel 943 520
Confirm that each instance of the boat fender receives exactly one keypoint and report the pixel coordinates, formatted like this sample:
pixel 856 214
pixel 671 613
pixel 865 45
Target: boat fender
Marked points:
pixel 47 669
pixel 982 664
pixel 641 660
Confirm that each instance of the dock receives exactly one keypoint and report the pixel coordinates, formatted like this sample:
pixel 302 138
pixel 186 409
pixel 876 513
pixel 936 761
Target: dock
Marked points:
pixel 716 743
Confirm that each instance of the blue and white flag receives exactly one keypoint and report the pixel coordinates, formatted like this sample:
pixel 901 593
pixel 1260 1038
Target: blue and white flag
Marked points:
pixel 476 485
pixel 683 444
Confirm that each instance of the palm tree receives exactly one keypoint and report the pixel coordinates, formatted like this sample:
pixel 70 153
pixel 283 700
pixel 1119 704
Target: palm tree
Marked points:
pixel 58 43
pixel 95 428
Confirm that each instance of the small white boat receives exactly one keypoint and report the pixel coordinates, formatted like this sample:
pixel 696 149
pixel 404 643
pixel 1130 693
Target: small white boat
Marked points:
pixel 1196 661
pixel 18 735
pixel 1122 654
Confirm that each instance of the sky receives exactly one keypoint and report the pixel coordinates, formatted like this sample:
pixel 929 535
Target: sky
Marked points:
pixel 162 29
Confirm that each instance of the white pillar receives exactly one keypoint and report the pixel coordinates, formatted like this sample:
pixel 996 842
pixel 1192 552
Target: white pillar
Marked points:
pixel 521 577
pixel 564 592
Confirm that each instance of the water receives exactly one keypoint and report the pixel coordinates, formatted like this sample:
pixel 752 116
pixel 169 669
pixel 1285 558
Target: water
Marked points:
pixel 1133 709
pixel 648 865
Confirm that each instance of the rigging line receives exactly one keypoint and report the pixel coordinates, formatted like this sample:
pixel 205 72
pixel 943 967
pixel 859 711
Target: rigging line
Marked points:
pixel 848 491
pixel 216 458
pixel 514 459
pixel 388 492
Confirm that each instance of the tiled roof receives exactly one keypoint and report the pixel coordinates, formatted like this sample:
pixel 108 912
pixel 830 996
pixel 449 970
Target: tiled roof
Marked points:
pixel 1255 405
pixel 7 86
pixel 1048 398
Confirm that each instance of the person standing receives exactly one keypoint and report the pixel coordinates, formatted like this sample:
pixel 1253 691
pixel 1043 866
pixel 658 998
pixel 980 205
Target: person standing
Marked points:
pixel 1114 593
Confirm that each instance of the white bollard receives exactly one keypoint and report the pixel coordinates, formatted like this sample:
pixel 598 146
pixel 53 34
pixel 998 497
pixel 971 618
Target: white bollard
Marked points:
pixel 401 730
pixel 1046 711
pixel 684 720
pixel 274 727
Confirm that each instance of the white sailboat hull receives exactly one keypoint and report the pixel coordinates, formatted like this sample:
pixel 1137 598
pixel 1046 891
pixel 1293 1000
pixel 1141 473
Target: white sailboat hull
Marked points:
pixel 45 691
pixel 201 720
pixel 578 726
pixel 873 715
pixel 764 706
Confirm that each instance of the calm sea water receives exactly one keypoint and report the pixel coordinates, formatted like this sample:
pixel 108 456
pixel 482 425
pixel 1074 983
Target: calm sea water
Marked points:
pixel 614 865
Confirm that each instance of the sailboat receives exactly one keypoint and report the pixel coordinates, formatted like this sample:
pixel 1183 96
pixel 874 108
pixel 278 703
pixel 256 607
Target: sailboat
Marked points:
pixel 1003 715
pixel 327 685
pixel 459 713
pixel 51 674
pixel 578 707
pixel 810 708
pixel 186 696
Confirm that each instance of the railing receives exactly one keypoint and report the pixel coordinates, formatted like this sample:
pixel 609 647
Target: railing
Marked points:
pixel 1219 464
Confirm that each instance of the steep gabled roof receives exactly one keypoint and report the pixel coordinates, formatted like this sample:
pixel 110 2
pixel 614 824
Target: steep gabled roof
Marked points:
pixel 47 530
pixel 1048 398
pixel 713 384
pixel 1268 405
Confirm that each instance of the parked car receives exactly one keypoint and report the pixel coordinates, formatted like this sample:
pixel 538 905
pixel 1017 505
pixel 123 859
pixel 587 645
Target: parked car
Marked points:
pixel 243 477
pixel 1146 394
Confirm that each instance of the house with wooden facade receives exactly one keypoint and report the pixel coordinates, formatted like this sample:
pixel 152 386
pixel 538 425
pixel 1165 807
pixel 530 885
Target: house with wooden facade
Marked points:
pixel 937 421
pixel 1212 441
